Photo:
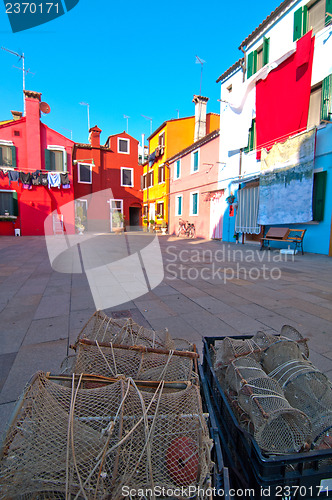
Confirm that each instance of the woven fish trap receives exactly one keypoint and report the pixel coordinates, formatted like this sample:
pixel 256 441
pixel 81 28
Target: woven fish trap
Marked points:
pixel 134 361
pixel 232 348
pixel 307 389
pixel 277 427
pixel 69 442
pixel 125 331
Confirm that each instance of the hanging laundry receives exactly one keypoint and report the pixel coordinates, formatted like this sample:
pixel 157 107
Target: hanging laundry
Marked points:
pixel 25 178
pixel 54 179
pixel 64 178
pixel 35 178
pixel 43 179
pixel 13 176
pixel 282 99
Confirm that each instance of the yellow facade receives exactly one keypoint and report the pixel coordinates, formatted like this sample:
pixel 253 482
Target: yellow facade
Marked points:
pixel 178 134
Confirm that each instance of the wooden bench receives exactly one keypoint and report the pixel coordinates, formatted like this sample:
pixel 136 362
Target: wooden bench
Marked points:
pixel 285 235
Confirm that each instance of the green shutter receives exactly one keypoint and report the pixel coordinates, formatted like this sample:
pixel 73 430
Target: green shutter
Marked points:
pixel 251 138
pixel 297 33
pixel 304 20
pixel 194 204
pixel 250 64
pixel 15 204
pixel 318 200
pixel 1 156
pixel 326 106
pixel 47 159
pixel 255 62
pixel 266 50
pixel 13 148
pixel 328 10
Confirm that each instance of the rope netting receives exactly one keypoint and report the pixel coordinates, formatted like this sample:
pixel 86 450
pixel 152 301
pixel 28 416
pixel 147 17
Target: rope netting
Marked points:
pixel 277 427
pixel 71 442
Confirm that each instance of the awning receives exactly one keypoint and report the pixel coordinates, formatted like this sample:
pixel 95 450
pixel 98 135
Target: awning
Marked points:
pixel 247 211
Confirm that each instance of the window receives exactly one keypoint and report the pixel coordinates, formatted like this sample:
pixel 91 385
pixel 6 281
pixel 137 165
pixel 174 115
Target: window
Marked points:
pixel 230 88
pixel 116 214
pixel 161 174
pixel 127 177
pixel 252 137
pixel 144 181
pixel 84 173
pixel 177 171
pixel 258 58
pixel 145 211
pixel 318 200
pixel 161 140
pixel 150 179
pixel 320 106
pixel 160 209
pixel 56 159
pixel 315 106
pixel 178 204
pixel 194 203
pixel 315 15
pixel 194 161
pixel 7 155
pixel 123 145
pixel 8 202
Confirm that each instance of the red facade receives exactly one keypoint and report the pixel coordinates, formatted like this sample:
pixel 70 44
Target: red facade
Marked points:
pixel 28 145
pixel 113 167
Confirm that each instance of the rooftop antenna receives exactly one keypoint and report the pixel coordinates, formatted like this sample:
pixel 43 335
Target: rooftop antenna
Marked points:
pixel 148 118
pixel 126 117
pixel 88 109
pixel 68 130
pixel 20 56
pixel 201 62
pixel 178 112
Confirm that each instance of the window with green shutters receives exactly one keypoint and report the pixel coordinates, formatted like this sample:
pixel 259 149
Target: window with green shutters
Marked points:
pixel 326 109
pixel 195 161
pixel 318 200
pixel 8 202
pixel 314 15
pixel 55 160
pixel 7 156
pixel 178 169
pixel 194 204
pixel 252 137
pixel 258 58
pixel 178 205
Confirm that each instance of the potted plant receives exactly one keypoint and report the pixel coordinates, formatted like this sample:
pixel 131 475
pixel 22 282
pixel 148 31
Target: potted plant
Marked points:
pixel 163 227
pixel 151 225
pixel 80 219
pixel 117 222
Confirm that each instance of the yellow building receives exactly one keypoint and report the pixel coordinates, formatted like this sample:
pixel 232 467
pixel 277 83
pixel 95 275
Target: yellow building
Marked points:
pixel 170 138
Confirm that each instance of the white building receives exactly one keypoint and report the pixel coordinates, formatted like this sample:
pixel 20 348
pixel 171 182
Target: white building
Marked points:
pixel 279 89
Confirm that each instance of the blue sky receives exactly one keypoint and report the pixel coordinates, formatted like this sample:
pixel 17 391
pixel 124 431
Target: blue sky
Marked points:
pixel 126 58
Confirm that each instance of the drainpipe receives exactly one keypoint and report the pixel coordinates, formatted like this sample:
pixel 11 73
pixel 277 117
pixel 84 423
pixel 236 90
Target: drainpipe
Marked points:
pixel 244 69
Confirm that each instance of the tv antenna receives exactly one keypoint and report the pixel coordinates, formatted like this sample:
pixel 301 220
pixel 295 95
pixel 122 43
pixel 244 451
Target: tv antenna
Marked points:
pixel 24 71
pixel 126 117
pixel 148 118
pixel 201 62
pixel 88 109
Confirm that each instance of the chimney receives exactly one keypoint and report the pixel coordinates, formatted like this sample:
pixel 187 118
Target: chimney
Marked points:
pixel 34 155
pixel 200 116
pixel 17 115
pixel 94 136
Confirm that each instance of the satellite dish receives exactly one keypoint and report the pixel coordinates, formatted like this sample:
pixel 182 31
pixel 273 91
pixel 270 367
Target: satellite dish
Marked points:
pixel 44 108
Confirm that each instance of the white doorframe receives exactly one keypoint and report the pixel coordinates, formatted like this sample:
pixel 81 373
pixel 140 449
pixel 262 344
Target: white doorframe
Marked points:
pixel 115 206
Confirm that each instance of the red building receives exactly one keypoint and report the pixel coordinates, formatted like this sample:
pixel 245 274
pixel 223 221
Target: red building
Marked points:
pixel 113 172
pixel 29 152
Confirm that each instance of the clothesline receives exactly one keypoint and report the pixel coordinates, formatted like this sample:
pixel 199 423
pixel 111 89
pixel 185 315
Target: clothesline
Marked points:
pixel 38 178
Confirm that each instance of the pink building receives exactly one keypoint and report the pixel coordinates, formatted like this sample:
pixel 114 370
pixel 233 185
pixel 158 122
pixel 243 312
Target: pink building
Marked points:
pixel 194 194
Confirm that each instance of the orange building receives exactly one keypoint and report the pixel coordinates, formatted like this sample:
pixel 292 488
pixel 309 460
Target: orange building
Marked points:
pixel 170 138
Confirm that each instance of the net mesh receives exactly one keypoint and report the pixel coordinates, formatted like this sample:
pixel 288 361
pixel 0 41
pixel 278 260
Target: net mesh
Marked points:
pixel 125 331
pixel 68 441
pixel 277 427
pixel 305 387
pixel 232 348
pixel 138 364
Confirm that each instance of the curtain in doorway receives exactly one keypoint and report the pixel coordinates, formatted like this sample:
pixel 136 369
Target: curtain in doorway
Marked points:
pixel 247 211
pixel 217 206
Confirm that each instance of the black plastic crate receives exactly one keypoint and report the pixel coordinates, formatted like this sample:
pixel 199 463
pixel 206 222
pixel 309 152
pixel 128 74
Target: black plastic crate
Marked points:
pixel 291 476
pixel 220 475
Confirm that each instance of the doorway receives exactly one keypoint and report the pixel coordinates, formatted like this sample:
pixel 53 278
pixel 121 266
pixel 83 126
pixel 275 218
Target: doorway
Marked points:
pixel 134 216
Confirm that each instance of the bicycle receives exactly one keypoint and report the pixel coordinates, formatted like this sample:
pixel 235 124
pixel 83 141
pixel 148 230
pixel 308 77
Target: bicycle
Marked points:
pixel 186 228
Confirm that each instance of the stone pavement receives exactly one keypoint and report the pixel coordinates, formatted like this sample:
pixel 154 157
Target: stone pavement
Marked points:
pixel 209 289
